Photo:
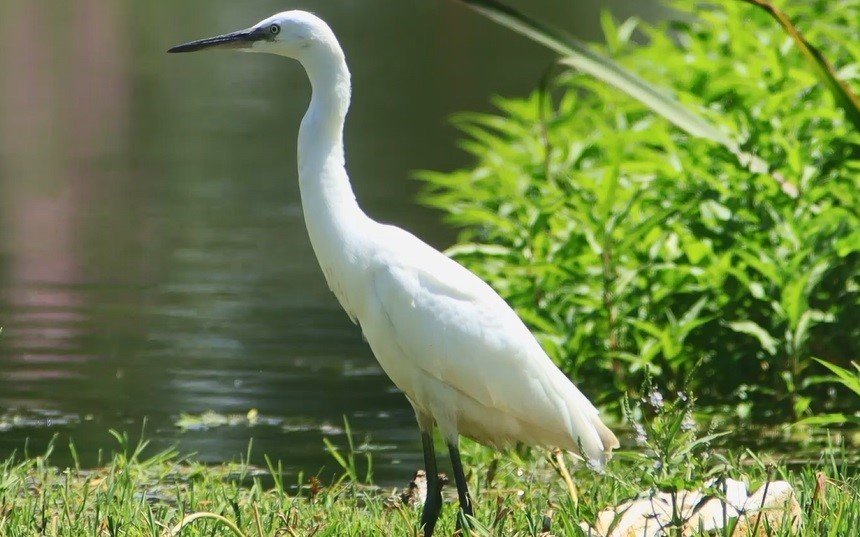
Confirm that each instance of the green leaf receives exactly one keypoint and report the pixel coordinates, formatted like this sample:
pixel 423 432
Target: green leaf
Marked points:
pixel 610 30
pixel 762 264
pixel 767 341
pixel 795 294
pixel 580 56
pixel 700 442
pixel 540 323
pixel 715 210
pixel 828 419
pixel 848 245
pixel 844 376
pixel 470 248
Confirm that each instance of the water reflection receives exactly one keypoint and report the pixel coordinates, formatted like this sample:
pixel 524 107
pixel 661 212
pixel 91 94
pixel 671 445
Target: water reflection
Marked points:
pixel 153 258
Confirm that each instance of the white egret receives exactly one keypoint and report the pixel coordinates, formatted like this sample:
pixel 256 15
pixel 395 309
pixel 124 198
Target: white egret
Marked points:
pixel 459 353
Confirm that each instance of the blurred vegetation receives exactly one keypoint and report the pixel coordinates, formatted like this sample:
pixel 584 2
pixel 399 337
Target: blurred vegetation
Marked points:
pixel 849 379
pixel 629 244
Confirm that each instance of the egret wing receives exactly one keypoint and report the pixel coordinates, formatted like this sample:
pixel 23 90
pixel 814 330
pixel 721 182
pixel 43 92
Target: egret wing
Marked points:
pixel 454 327
pixel 452 333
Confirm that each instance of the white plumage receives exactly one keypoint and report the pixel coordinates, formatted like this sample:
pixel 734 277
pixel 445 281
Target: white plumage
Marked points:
pixel 464 358
pixel 461 355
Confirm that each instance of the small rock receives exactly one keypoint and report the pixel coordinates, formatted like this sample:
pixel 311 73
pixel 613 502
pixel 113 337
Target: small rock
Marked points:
pixel 771 507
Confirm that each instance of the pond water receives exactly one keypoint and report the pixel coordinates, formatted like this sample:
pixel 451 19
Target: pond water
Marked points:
pixel 153 257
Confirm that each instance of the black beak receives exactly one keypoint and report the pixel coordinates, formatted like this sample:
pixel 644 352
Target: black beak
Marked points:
pixel 235 40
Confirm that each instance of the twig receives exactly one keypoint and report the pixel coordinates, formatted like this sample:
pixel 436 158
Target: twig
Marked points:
pixel 763 498
pixel 561 467
pixel 257 521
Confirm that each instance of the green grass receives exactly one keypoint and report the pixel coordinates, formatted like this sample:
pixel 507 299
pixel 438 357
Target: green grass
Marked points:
pixel 134 496
pixel 517 492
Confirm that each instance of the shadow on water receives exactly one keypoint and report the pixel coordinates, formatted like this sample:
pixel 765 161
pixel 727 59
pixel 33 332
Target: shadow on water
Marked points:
pixel 153 256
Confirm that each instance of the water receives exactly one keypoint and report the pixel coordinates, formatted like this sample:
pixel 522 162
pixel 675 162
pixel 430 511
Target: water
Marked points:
pixel 153 258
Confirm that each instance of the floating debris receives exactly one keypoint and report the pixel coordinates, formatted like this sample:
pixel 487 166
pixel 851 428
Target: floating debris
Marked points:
pixel 772 506
pixel 371 447
pixel 211 419
pixel 26 419
pixel 330 430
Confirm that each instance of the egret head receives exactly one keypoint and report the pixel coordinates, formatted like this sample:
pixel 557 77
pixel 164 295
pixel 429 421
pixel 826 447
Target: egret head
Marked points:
pixel 294 34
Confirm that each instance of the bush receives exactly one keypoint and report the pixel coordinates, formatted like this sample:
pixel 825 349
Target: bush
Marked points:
pixel 628 245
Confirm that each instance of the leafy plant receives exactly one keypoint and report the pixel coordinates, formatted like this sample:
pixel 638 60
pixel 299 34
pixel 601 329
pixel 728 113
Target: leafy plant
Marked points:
pixel 847 378
pixel 628 243
pixel 842 92
pixel 677 457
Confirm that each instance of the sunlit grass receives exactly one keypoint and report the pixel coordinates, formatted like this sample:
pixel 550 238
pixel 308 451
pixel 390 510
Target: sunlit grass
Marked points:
pixel 517 492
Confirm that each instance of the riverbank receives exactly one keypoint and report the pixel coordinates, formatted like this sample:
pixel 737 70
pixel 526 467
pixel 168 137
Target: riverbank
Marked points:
pixel 517 493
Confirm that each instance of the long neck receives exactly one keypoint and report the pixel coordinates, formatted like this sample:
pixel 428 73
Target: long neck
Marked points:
pixel 337 227
pixel 325 188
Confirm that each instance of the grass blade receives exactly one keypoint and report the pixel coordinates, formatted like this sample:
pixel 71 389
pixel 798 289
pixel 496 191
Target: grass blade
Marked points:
pixel 202 515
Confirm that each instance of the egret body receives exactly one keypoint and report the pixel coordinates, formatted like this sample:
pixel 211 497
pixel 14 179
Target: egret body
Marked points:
pixel 459 353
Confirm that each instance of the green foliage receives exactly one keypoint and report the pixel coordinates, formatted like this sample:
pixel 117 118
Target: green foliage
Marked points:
pixel 627 244
pixel 584 58
pixel 842 92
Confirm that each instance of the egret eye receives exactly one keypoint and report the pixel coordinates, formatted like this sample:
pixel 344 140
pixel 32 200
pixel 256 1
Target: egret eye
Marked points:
pixel 275 29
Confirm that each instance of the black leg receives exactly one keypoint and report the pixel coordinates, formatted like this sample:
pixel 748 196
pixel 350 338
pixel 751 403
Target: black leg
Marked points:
pixel 433 503
pixel 460 477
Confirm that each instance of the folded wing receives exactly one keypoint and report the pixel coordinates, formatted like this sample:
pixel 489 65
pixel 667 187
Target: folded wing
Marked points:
pixel 454 327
